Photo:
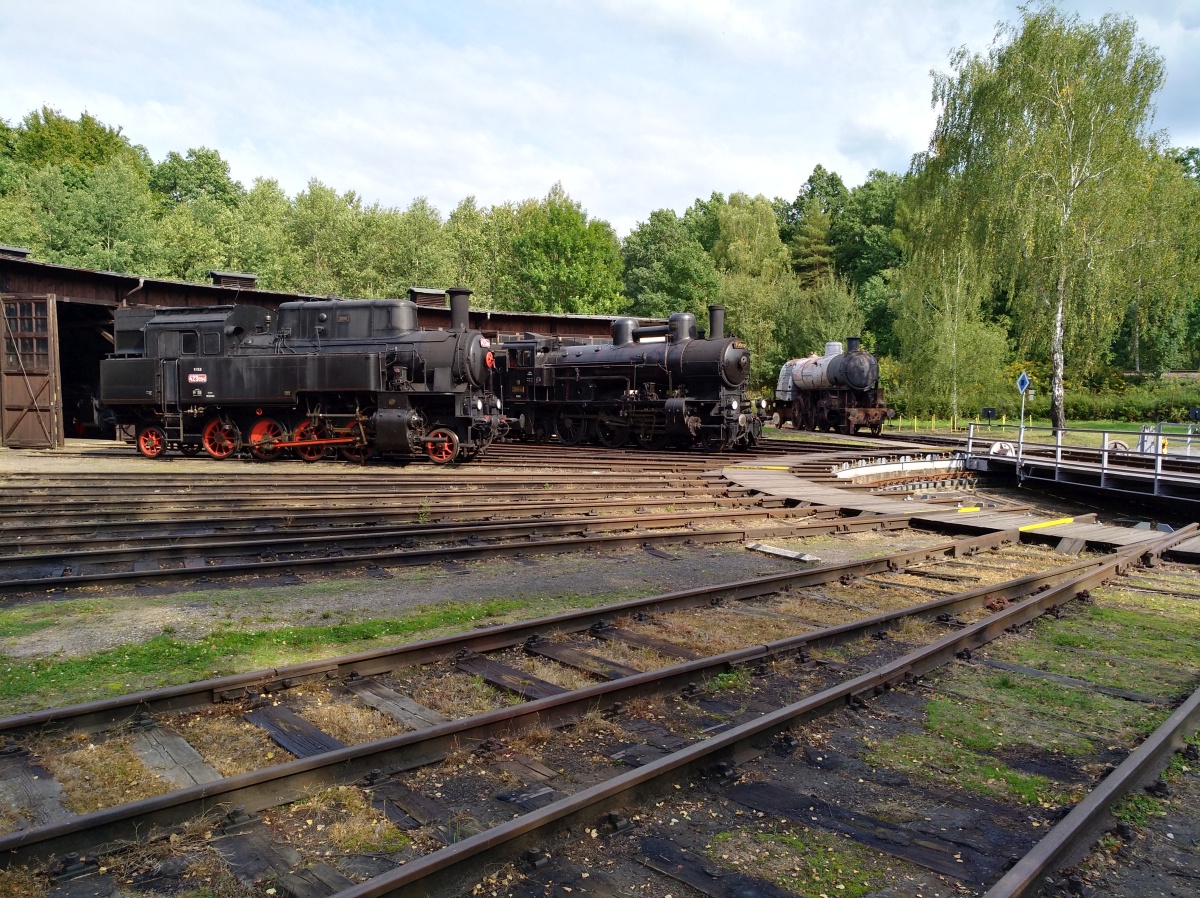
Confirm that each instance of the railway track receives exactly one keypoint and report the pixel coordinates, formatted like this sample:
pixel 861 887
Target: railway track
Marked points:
pixel 153 526
pixel 686 722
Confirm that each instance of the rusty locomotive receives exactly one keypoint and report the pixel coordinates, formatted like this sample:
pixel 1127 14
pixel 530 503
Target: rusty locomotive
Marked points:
pixel 835 391
pixel 356 377
pixel 658 385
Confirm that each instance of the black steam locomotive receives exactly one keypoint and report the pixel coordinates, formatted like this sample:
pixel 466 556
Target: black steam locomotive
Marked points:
pixel 835 391
pixel 657 385
pixel 353 376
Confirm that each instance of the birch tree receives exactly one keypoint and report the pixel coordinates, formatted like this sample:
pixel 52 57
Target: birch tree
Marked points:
pixel 1047 138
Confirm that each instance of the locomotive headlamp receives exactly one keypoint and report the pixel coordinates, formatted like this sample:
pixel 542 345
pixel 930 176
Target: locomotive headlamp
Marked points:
pixel 479 405
pixel 762 404
pixel 734 405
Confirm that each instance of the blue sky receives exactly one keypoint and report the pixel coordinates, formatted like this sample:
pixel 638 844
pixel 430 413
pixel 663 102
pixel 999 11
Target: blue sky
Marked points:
pixel 634 105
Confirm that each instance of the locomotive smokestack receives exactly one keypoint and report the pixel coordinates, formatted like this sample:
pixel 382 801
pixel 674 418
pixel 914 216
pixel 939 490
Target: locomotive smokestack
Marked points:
pixel 460 306
pixel 716 322
pixel 853 343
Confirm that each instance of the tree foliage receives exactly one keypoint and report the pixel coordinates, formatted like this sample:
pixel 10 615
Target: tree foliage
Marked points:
pixel 666 268
pixel 1046 139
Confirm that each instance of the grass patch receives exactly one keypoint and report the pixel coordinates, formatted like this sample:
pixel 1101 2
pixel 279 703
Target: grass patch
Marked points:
pixel 810 863
pixel 165 660
pixel 1137 808
pixel 981 728
pixel 933 759
pixel 730 681
pixel 1015 707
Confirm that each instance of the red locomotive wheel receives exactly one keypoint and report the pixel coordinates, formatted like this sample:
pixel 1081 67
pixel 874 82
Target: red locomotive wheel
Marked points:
pixel 152 441
pixel 265 433
pixel 442 445
pixel 306 430
pixel 220 439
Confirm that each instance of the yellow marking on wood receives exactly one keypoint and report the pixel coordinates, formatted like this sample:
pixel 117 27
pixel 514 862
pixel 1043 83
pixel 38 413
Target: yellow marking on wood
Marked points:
pixel 968 508
pixel 1053 523
pixel 764 467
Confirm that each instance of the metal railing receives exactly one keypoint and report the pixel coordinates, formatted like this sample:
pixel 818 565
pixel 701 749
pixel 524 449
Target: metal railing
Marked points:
pixel 1120 451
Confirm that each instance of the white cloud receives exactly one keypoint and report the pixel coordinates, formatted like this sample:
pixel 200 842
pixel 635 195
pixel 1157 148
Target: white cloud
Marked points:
pixel 633 104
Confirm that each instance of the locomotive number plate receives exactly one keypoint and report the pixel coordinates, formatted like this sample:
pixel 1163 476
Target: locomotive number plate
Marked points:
pixel 200 378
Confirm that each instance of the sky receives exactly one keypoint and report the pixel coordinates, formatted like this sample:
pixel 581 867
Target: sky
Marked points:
pixel 633 105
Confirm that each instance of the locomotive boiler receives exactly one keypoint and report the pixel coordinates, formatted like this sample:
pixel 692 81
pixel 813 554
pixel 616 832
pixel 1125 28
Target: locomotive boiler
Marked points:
pixel 352 376
pixel 657 385
pixel 835 391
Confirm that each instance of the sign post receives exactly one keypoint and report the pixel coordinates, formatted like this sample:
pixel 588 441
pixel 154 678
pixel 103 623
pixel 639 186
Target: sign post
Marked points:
pixel 1022 385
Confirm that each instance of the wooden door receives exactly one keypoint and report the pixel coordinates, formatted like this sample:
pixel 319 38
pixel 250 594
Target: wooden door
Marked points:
pixel 31 414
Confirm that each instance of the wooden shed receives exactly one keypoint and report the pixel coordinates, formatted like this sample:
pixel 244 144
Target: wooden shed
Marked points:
pixel 57 326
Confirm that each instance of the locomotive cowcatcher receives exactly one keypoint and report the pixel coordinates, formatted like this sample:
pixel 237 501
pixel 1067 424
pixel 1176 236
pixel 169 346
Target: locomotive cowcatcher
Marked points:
pixel 659 385
pixel 353 376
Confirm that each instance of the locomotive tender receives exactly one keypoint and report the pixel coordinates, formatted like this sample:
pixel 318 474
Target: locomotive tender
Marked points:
pixel 657 385
pixel 354 376
pixel 836 391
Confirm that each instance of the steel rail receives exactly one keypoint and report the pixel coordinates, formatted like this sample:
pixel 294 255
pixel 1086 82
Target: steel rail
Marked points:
pixel 345 517
pixel 109 712
pixel 429 555
pixel 31 507
pixel 221 545
pixel 445 871
pixel 293 780
pixel 1072 836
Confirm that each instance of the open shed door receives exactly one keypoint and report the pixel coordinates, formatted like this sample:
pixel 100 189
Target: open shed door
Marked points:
pixel 31 410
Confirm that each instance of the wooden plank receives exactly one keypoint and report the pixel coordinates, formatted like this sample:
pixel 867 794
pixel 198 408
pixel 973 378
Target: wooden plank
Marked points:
pixel 30 790
pixel 1076 683
pixel 502 676
pixel 568 881
pixel 254 857
pixel 526 769
pixel 662 646
pixel 696 870
pixel 580 660
pixel 292 732
pixel 400 707
pixel 170 756
pixel 956 858
pixel 316 881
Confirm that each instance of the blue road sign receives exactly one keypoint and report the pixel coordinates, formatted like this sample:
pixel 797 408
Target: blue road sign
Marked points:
pixel 1023 382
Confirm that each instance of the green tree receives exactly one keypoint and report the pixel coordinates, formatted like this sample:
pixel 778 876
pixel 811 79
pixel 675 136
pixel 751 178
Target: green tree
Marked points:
pixel 666 269
pixel 748 239
pixel 1161 269
pixel 47 137
pixel 864 231
pixel 320 228
pixel 1046 136
pixel 103 218
pixel 260 242
pixel 824 192
pixel 467 245
pixel 753 264
pixel 201 173
pixel 811 315
pixel 950 355
pixel 566 262
pixel 701 220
